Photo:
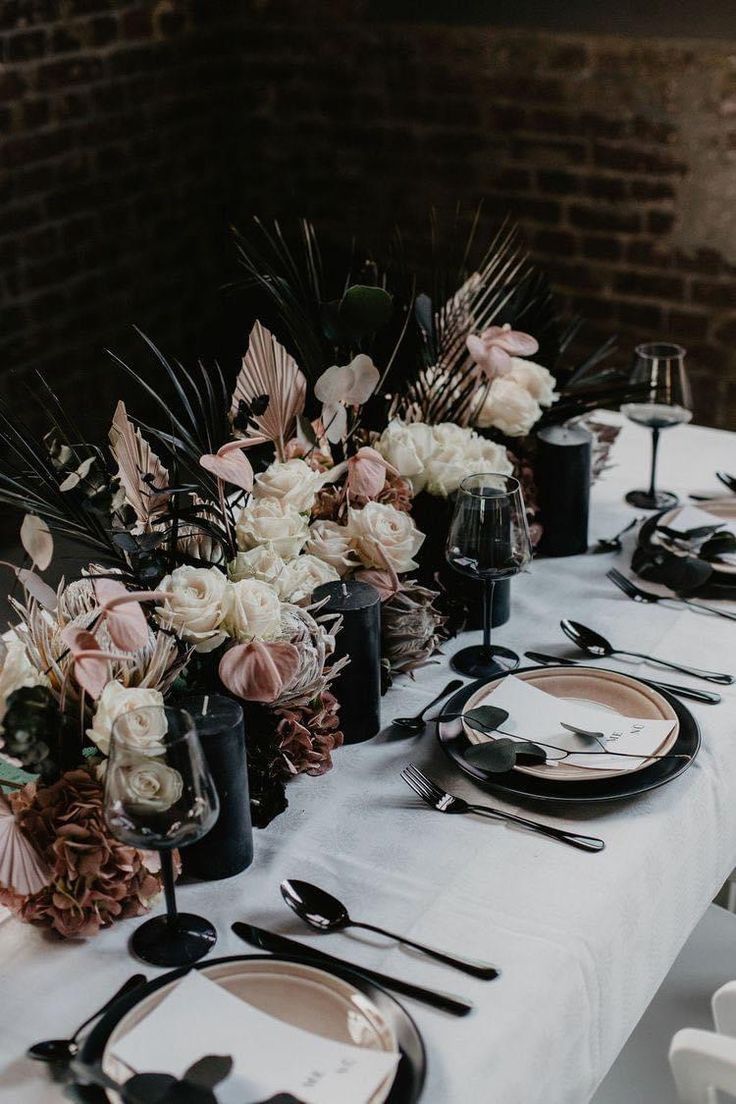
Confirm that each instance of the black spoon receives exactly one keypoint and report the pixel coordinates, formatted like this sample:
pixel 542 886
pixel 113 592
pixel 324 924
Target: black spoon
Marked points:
pixel 325 913
pixel 417 723
pixel 64 1050
pixel 707 697
pixel 596 645
pixel 613 544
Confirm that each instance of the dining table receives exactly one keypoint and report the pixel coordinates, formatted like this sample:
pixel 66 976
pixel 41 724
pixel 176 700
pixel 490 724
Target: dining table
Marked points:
pixel 582 940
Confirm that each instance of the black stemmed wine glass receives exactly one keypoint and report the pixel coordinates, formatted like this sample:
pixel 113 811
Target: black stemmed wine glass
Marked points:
pixel 159 795
pixel 488 540
pixel 659 373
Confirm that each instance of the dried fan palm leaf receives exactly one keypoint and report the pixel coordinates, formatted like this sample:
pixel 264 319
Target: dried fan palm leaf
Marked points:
pixel 268 369
pixel 21 869
pixel 139 469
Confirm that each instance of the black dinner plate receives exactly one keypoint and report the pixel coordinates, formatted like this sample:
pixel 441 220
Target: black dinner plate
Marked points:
pixel 721 584
pixel 454 743
pixel 411 1070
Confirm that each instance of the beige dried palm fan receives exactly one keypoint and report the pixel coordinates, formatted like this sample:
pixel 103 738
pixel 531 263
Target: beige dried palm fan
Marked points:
pixel 21 869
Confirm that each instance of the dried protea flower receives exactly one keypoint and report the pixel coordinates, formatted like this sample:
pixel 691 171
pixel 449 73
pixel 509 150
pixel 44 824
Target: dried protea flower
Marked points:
pixel 411 627
pixel 315 644
pixel 329 503
pixel 396 492
pixel 95 879
pixel 155 666
pixel 306 737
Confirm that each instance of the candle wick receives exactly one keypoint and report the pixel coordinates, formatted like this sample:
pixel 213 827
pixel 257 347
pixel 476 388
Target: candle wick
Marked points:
pixel 344 590
pixel 206 703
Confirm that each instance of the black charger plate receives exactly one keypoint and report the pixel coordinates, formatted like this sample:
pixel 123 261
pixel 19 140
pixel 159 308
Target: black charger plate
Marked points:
pixel 454 743
pixel 721 584
pixel 411 1070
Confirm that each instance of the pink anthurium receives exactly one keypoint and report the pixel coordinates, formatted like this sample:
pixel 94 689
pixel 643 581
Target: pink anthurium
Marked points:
pixel 126 621
pixel 367 473
pixel 229 464
pixel 352 384
pixel 90 663
pixel 259 671
pixel 493 349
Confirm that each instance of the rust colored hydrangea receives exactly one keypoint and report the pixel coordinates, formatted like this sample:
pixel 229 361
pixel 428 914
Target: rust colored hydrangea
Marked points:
pixel 95 878
pixel 307 736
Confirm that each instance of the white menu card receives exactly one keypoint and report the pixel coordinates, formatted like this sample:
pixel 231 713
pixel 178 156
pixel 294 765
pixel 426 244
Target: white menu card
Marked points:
pixel 537 716
pixel 199 1017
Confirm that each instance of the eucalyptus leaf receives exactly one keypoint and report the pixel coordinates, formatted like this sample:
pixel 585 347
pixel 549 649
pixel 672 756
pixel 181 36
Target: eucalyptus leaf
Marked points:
pixel 365 309
pixel 210 1070
pixel 147 1088
pixel 500 756
pixel 486 718
pixel 720 544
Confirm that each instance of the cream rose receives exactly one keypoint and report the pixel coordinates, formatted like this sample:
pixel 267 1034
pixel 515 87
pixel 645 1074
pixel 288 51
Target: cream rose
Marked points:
pixel 292 481
pixel 447 469
pixel 274 522
pixel 301 576
pixel 16 671
pixel 153 784
pixel 253 611
pixel 488 456
pixel 380 533
pixel 330 543
pixel 509 408
pixel 260 563
pixel 407 448
pixel 143 730
pixel 196 605
pixel 538 381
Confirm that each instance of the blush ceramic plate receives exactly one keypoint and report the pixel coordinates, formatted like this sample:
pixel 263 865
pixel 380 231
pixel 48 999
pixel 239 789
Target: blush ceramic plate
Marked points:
pixel 619 693
pixel 301 995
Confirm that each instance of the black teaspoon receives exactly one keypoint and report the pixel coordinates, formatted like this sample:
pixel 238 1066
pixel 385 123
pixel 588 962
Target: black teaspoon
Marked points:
pixel 707 697
pixel 417 723
pixel 64 1050
pixel 596 645
pixel 325 913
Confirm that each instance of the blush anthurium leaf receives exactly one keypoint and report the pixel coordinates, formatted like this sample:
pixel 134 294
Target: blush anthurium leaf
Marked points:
pixel 500 756
pixel 486 718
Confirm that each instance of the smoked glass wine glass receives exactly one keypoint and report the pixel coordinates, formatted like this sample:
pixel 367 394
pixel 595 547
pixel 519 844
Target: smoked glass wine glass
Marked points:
pixel 489 541
pixel 159 796
pixel 659 373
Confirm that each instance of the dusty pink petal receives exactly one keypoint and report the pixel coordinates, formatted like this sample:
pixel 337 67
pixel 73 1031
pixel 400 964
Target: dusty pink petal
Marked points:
pixel 367 473
pixel 230 465
pixel 498 361
pixel 335 421
pixel 352 384
pixel 334 385
pixel 125 619
pixel 91 668
pixel 515 342
pixel 258 671
pixel 386 582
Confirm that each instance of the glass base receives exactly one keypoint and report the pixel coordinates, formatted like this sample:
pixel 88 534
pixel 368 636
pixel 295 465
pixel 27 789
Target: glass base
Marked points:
pixel 177 942
pixel 660 500
pixel 480 662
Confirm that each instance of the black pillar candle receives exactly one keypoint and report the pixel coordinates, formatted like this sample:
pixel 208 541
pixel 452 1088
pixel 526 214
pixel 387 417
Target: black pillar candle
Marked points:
pixel 562 473
pixel 358 686
pixel 227 849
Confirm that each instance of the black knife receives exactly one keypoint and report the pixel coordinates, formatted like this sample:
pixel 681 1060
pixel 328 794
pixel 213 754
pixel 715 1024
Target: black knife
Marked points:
pixel 280 944
pixel 706 697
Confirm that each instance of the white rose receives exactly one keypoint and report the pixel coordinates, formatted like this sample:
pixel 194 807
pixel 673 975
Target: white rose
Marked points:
pixel 330 542
pixel 509 407
pixel 450 435
pixel 143 730
pixel 292 481
pixel 381 533
pixel 153 784
pixel 447 469
pixel 17 670
pixel 488 456
pixel 407 448
pixel 260 563
pixel 538 381
pixel 301 576
pixel 274 522
pixel 253 611
pixel 196 607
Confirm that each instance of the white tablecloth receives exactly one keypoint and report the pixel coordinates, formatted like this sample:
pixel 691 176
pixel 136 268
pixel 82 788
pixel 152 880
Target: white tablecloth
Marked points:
pixel 583 940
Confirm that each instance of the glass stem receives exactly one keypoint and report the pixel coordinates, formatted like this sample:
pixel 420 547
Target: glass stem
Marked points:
pixel 655 446
pixel 488 587
pixel 167 873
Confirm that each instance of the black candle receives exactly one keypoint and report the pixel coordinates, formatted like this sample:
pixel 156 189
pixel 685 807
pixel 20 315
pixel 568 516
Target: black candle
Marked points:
pixel 563 480
pixel 227 849
pixel 358 686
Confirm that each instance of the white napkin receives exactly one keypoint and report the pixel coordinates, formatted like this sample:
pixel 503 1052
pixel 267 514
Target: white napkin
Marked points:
pixel 537 716
pixel 199 1017
pixel 692 517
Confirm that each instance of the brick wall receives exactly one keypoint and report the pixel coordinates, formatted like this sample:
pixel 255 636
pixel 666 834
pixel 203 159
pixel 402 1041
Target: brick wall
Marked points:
pixel 135 132
pixel 618 157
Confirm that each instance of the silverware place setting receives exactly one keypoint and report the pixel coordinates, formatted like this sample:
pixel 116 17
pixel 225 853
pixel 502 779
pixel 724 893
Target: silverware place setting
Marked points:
pixel 647 597
pixel 596 646
pixel 705 697
pixel 62 1051
pixel 416 724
